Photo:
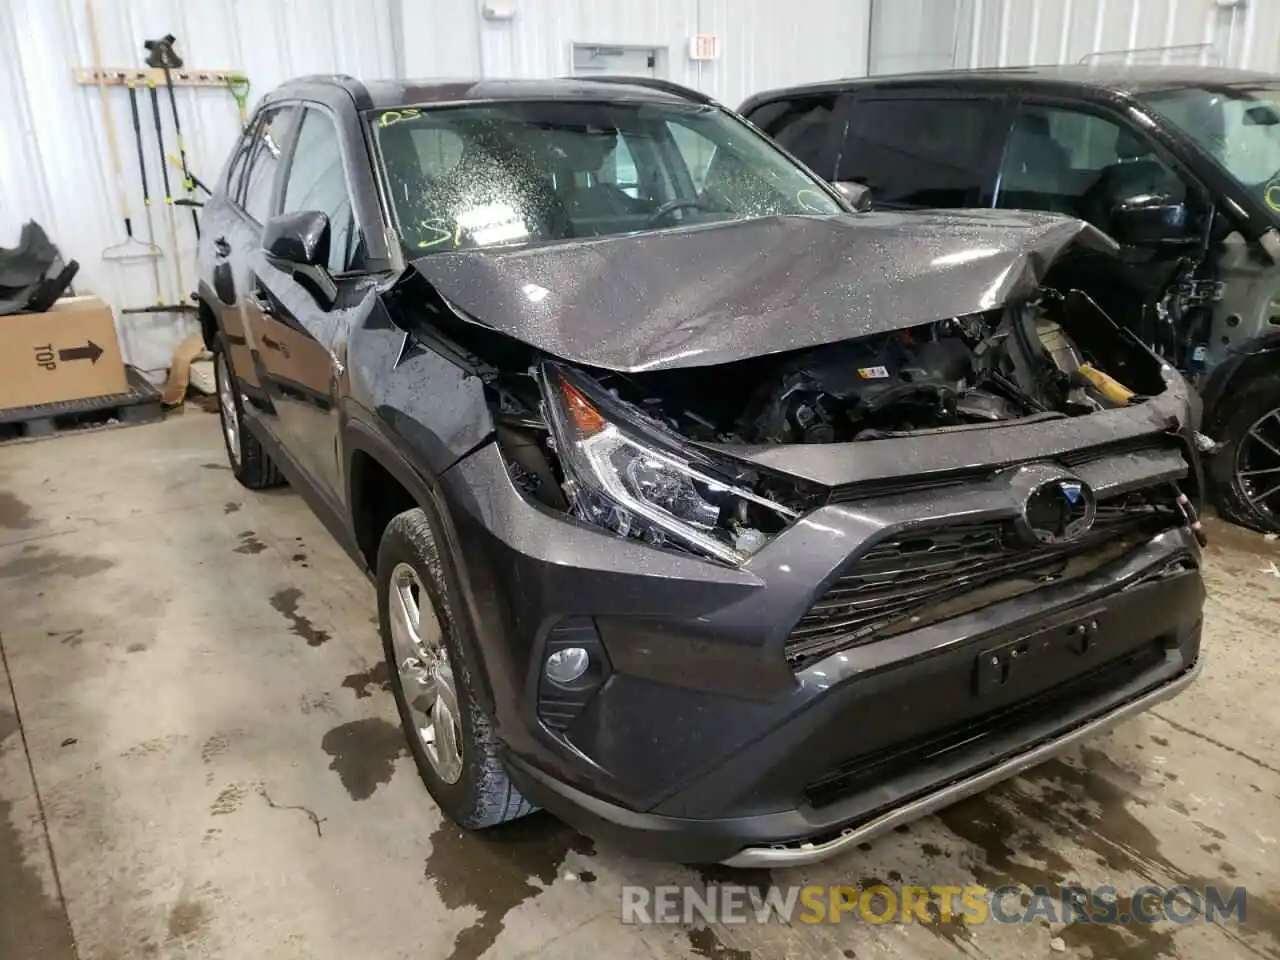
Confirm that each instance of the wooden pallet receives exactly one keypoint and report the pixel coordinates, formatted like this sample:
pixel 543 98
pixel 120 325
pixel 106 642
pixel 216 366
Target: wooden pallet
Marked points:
pixel 139 404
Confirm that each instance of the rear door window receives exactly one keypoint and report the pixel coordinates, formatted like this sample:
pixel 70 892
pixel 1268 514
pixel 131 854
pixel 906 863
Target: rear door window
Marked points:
pixel 263 156
pixel 803 126
pixel 923 152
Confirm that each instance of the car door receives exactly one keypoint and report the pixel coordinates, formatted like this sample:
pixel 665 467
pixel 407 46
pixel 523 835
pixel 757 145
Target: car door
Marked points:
pixel 804 125
pixel 920 149
pixel 1083 161
pixel 236 238
pixel 300 335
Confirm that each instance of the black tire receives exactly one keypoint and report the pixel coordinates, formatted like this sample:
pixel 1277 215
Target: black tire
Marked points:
pixel 252 466
pixel 483 795
pixel 1228 488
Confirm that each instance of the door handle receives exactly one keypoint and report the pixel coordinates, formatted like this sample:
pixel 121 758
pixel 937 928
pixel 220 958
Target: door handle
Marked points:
pixel 221 247
pixel 260 302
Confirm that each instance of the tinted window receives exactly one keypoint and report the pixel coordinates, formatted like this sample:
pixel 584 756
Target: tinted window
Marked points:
pixel 802 126
pixel 265 150
pixel 922 153
pixel 1079 164
pixel 317 182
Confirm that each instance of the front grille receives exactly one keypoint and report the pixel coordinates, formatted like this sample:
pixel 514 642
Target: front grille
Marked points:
pixel 922 577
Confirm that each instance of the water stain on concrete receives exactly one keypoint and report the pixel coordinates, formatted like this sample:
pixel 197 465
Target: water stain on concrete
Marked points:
pixel 497 870
pixel 1088 805
pixel 187 920
pixel 322 703
pixel 249 543
pixel 716 874
pixel 136 648
pixel 228 800
pixel 32 924
pixel 47 562
pixel 364 754
pixel 368 682
pixel 230 507
pixel 14 514
pixel 68 638
pixel 216 746
pixel 706 943
pixel 286 602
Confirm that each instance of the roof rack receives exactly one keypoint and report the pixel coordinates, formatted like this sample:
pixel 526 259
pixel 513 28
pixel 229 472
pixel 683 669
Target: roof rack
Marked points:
pixel 653 83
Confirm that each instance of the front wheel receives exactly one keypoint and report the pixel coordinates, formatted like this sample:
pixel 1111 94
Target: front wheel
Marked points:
pixel 250 463
pixel 1246 470
pixel 451 739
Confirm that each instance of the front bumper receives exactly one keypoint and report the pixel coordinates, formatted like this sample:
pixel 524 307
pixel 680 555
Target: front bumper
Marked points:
pixel 702 745
pixel 771 840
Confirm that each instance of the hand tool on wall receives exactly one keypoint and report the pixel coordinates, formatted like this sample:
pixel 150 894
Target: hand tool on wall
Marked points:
pixel 131 248
pixel 196 181
pixel 239 87
pixel 160 305
pixel 168 194
pixel 160 53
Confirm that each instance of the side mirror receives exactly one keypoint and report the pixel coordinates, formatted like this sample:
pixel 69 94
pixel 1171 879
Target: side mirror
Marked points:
pixel 857 194
pixel 298 243
pixel 1150 219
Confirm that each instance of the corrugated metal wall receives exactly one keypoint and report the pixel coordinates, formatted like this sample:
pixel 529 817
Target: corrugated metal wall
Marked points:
pixel 1015 32
pixel 54 163
pixel 764 43
pixel 54 159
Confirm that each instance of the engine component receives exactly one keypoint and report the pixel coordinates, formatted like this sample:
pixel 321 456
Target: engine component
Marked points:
pixel 1111 388
pixel 944 374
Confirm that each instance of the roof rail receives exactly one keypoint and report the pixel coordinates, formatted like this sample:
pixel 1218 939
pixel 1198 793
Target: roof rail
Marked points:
pixel 653 83
pixel 336 78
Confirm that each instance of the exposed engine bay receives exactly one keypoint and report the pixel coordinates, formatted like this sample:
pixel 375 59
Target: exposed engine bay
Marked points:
pixel 612 447
pixel 1006 364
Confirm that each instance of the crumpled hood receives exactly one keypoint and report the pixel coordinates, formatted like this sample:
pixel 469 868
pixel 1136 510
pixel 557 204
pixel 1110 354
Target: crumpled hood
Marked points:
pixel 714 294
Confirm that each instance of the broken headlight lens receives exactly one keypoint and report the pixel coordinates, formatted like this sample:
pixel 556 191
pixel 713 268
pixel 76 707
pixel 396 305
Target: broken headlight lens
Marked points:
pixel 615 479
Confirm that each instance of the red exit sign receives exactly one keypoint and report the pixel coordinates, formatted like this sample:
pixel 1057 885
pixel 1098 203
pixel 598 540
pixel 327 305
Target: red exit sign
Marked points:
pixel 704 46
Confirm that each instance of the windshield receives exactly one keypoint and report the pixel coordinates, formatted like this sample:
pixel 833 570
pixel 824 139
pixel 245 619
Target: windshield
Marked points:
pixel 1239 125
pixel 532 172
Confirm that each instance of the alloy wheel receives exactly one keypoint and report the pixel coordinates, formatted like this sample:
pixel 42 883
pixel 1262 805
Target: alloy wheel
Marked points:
pixel 425 675
pixel 1258 465
pixel 227 407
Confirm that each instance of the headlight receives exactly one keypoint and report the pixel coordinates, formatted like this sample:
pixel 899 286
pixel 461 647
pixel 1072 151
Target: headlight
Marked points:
pixel 618 479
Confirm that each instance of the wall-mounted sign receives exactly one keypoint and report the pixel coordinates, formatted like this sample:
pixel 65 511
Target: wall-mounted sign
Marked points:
pixel 704 46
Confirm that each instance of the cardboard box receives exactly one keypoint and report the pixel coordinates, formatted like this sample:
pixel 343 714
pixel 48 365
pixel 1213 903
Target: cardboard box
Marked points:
pixel 67 353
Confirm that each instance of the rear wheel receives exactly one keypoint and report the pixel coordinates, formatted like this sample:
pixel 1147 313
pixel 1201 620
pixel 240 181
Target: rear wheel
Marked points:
pixel 452 741
pixel 249 462
pixel 1246 470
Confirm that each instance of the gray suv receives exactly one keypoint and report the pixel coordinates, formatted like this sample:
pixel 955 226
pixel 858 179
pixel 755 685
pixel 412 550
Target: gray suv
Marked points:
pixel 711 515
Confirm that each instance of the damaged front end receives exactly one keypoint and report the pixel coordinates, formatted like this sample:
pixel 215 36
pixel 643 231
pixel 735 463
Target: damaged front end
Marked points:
pixel 718 462
pixel 717 411
pixel 722 489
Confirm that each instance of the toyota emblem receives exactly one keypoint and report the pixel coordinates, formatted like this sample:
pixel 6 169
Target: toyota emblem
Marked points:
pixel 1055 508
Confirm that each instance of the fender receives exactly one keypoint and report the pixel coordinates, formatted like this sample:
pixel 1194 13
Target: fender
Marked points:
pixel 1250 360
pixel 363 432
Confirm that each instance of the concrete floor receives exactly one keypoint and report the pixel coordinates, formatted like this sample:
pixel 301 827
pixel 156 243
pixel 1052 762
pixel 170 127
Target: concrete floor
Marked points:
pixel 199 758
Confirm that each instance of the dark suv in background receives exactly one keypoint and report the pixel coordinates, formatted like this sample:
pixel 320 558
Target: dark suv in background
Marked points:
pixel 1180 165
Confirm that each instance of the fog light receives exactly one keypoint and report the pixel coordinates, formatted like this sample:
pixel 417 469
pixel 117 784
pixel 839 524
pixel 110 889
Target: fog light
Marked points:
pixel 567 664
